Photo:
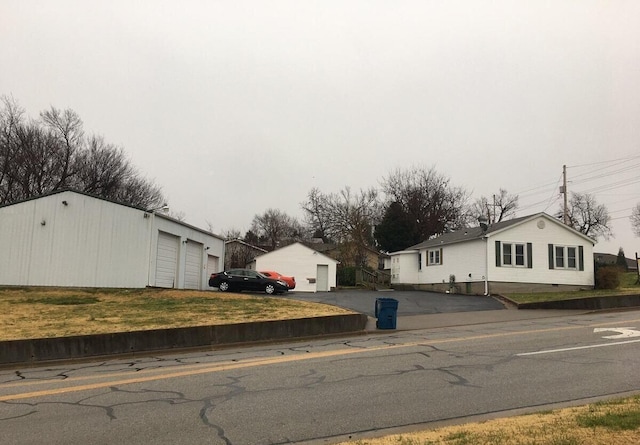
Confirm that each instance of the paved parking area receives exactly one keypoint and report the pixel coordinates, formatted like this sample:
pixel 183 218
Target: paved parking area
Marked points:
pixel 409 302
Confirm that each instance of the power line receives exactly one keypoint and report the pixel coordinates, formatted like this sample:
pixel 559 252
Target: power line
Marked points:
pixel 604 162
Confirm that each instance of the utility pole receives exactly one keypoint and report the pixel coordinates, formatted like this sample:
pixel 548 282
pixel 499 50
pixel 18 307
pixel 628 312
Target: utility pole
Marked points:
pixel 494 208
pixel 563 190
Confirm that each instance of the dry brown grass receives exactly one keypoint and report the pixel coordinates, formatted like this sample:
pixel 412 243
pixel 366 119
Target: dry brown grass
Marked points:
pixel 48 312
pixel 569 426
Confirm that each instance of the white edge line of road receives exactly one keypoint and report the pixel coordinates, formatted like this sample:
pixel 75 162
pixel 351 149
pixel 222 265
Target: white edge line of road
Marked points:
pixel 602 345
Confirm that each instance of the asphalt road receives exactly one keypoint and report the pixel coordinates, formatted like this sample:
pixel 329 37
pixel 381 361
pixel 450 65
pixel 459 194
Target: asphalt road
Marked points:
pixel 323 391
pixel 409 302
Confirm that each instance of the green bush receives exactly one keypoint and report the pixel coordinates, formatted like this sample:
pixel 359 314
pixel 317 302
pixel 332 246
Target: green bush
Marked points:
pixel 607 278
pixel 346 276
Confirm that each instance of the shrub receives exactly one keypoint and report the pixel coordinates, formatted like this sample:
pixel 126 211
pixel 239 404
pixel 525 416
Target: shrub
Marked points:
pixel 346 276
pixel 607 278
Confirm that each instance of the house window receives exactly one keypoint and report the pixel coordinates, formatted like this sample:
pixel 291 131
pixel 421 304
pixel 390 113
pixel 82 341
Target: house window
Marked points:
pixel 571 257
pixel 515 254
pixel 565 257
pixel 520 255
pixel 435 257
pixel 506 254
pixel 559 257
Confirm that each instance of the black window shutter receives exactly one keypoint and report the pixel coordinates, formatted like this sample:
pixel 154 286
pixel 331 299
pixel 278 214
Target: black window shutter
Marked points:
pixel 581 257
pixel 441 262
pixel 529 256
pixel 498 254
pixel 550 256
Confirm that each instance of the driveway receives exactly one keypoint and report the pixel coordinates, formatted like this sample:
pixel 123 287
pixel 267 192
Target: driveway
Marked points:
pixel 409 302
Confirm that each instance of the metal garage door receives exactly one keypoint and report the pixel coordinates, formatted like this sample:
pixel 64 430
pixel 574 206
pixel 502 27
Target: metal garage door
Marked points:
pixel 193 265
pixel 166 260
pixel 322 283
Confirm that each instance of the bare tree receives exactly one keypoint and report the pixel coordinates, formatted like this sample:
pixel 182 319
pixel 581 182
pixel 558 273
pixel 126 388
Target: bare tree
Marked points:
pixel 317 215
pixel 275 226
pixel 497 208
pixel 232 233
pixel 65 127
pixel 52 153
pixel 345 217
pixel 101 168
pixel 587 216
pixel 429 200
pixel 11 117
pixel 139 192
pixel 635 220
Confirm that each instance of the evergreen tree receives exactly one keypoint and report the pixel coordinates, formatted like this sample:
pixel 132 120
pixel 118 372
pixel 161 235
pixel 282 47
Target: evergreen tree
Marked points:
pixel 621 261
pixel 396 231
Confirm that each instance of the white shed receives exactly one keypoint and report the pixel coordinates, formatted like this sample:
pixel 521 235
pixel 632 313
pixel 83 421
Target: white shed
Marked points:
pixel 313 271
pixel 68 238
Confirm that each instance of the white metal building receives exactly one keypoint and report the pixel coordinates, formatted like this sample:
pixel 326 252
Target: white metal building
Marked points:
pixel 313 271
pixel 73 239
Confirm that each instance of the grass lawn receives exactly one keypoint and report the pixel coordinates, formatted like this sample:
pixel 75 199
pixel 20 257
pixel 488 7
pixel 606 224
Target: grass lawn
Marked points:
pixel 628 285
pixel 603 423
pixel 57 312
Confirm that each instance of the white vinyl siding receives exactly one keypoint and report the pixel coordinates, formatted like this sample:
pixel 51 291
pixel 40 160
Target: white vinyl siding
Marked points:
pixel 403 267
pixel 461 260
pixel 517 253
pixel 299 261
pixel 539 236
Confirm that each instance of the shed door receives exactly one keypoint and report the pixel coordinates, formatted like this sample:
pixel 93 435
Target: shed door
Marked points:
pixel 166 260
pixel 322 283
pixel 193 265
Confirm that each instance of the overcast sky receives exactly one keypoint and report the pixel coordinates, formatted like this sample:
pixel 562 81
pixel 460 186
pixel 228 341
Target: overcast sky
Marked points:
pixel 234 107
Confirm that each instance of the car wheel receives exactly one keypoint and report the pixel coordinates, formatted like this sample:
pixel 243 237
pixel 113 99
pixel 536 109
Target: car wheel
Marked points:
pixel 270 289
pixel 224 286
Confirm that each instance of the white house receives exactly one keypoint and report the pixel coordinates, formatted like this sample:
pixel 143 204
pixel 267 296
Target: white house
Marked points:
pixel 68 238
pixel 313 271
pixel 532 253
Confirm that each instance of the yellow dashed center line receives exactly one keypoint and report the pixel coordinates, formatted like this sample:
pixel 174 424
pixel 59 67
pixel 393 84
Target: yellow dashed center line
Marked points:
pixel 208 368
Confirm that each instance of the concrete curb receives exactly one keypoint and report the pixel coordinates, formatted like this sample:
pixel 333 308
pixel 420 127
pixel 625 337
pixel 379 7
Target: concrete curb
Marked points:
pixel 39 350
pixel 587 303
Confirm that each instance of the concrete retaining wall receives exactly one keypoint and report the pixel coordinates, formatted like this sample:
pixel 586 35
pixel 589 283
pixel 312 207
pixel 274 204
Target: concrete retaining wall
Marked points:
pixel 589 303
pixel 46 349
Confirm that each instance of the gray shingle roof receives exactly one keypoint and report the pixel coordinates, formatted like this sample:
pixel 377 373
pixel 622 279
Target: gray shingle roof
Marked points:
pixel 469 233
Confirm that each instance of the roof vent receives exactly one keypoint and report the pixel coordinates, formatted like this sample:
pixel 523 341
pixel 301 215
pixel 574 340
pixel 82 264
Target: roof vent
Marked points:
pixel 484 223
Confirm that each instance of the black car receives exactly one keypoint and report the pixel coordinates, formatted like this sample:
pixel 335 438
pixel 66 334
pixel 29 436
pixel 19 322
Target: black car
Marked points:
pixel 246 279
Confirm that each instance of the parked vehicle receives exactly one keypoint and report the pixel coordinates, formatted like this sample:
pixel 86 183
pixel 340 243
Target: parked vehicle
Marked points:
pixel 246 279
pixel 291 281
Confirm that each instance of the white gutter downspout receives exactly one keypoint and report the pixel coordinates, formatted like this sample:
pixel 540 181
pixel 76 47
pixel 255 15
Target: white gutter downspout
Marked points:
pixel 486 266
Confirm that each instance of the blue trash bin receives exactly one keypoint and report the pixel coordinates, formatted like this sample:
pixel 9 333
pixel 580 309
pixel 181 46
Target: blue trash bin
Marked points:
pixel 386 311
